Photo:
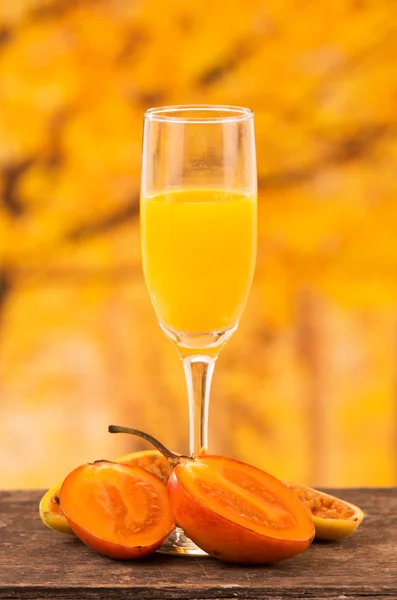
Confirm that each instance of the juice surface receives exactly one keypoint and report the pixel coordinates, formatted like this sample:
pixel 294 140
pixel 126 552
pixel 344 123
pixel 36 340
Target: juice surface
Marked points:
pixel 198 253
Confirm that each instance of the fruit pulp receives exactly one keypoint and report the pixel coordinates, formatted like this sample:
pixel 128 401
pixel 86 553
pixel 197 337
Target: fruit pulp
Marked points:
pixel 333 518
pixel 236 512
pixel 245 495
pixel 198 253
pixel 117 509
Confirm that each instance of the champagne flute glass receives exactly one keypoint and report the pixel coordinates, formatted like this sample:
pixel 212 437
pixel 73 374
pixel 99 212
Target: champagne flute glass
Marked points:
pixel 199 232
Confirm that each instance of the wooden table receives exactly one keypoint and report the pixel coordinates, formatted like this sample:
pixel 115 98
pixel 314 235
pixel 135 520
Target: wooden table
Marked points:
pixel 38 563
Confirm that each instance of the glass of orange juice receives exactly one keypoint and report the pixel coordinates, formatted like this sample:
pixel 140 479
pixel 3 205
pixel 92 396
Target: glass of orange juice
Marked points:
pixel 199 236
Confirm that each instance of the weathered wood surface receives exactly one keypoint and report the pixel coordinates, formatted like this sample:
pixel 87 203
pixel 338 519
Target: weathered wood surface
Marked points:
pixel 38 563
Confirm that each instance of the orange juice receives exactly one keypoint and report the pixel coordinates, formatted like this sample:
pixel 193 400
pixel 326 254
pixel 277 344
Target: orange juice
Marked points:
pixel 198 252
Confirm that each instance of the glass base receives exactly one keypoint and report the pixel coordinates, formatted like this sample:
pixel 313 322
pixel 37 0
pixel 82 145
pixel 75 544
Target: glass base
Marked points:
pixel 178 544
pixel 208 344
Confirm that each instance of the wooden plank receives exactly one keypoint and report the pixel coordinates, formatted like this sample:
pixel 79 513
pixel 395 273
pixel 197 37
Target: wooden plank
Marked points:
pixel 166 594
pixel 38 563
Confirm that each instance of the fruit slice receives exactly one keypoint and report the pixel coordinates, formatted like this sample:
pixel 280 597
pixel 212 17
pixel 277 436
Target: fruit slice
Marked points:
pixel 232 510
pixel 238 513
pixel 149 460
pixel 333 518
pixel 118 510
pixel 50 510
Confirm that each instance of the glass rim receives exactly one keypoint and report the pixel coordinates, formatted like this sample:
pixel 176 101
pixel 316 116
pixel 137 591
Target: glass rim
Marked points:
pixel 167 113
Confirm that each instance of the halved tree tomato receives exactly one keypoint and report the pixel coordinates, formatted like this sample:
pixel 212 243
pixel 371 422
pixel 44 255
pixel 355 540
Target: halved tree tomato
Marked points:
pixel 50 510
pixel 236 512
pixel 117 509
pixel 333 517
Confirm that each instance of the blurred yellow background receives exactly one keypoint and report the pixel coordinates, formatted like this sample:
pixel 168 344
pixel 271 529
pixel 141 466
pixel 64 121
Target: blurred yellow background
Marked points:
pixel 307 388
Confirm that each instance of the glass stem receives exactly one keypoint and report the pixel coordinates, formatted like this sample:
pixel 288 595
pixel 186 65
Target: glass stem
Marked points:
pixel 198 372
